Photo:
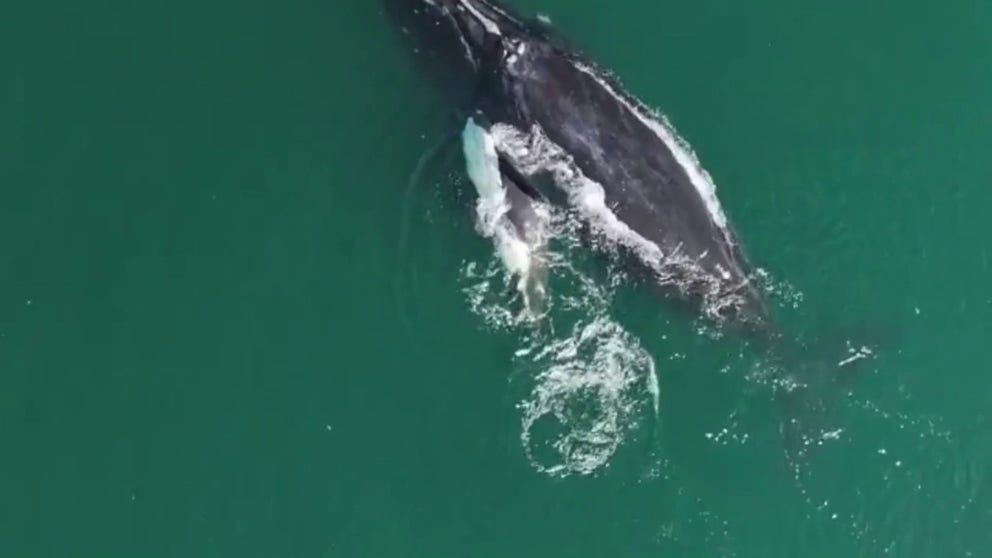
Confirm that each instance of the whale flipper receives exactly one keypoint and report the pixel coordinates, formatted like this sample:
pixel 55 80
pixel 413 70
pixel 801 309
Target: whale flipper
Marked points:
pixel 516 221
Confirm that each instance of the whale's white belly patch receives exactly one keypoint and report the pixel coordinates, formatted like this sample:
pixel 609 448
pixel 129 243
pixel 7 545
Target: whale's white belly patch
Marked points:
pixel 519 250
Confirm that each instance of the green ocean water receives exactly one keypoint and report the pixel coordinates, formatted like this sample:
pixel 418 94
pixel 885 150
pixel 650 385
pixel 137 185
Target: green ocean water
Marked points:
pixel 237 273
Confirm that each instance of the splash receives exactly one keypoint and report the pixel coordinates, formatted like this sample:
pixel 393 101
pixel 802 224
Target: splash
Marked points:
pixel 585 397
pixel 586 388
pixel 585 382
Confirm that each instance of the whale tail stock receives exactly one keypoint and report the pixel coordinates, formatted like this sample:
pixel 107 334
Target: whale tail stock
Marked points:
pixel 810 376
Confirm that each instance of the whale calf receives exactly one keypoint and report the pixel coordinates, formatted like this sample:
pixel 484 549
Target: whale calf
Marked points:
pixel 552 116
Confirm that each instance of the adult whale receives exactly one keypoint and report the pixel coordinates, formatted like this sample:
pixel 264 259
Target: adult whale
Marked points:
pixel 541 110
pixel 551 113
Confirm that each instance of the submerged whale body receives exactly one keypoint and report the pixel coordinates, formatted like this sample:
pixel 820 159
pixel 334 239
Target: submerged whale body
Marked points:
pixel 548 112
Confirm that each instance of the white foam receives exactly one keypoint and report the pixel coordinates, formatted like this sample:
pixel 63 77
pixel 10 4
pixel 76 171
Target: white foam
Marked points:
pixel 534 153
pixel 582 373
pixel 587 389
pixel 684 155
pixel 855 355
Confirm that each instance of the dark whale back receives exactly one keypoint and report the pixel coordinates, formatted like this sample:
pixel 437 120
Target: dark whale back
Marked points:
pixel 652 182
pixel 647 186
pixel 522 74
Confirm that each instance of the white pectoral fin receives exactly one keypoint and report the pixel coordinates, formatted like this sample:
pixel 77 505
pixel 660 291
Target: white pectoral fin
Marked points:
pixel 506 219
pixel 481 160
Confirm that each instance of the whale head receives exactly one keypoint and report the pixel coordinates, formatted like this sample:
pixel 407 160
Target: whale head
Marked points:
pixel 454 39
